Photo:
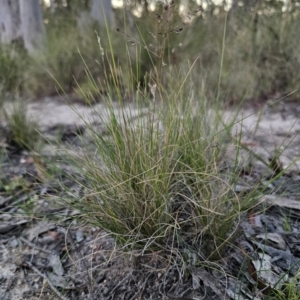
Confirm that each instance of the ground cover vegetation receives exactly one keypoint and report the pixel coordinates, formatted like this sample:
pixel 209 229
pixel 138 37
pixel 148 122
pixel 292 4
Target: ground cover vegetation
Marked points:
pixel 262 58
pixel 161 177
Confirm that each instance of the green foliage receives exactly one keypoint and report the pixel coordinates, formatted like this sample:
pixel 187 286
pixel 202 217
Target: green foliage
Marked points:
pixel 261 56
pixel 21 132
pixel 12 68
pixel 155 182
pixel 70 54
pixel 290 290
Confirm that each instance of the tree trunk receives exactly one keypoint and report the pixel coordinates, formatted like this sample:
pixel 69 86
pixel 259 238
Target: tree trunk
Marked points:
pixel 9 21
pixel 33 29
pixel 101 12
pixel 234 6
pixel 52 6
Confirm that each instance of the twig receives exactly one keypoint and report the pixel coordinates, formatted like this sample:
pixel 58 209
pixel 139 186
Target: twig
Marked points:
pixel 121 282
pixel 54 289
pixel 34 246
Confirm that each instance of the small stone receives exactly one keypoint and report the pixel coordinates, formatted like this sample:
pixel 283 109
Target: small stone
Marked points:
pixel 79 236
pixel 6 217
pixel 14 243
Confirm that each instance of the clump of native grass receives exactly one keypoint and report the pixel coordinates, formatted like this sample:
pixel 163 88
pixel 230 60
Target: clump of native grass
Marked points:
pixel 157 177
pixel 11 65
pixel 21 131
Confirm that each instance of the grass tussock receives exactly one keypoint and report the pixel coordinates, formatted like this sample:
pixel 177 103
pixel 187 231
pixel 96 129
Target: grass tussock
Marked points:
pixel 161 175
pixel 20 130
pixel 12 68
pixel 157 181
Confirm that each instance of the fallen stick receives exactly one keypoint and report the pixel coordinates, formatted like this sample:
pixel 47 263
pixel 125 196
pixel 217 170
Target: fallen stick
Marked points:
pixel 54 289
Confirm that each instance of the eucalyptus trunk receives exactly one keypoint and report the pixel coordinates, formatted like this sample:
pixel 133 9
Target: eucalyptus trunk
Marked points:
pixel 102 12
pixel 9 21
pixel 33 28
